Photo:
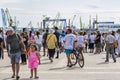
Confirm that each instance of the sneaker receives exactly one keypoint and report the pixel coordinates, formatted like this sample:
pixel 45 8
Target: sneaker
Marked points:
pixel 17 77
pixel 51 60
pixel 114 61
pixel 36 77
pixel 31 77
pixel 106 61
pixel 56 57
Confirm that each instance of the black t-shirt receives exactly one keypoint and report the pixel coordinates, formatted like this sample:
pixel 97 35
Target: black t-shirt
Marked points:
pixel 98 38
pixel 45 37
pixel 57 34
pixel 1 40
pixel 25 37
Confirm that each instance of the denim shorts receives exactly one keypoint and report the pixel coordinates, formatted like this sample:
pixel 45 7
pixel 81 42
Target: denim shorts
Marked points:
pixel 15 57
pixel 68 51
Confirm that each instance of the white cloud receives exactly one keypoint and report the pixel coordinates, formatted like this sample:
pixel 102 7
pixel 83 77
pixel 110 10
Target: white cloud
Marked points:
pixel 3 2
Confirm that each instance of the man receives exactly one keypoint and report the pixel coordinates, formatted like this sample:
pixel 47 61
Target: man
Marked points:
pixel 98 43
pixel 69 40
pixel 51 45
pixel 110 40
pixel 44 37
pixel 1 45
pixel 14 51
pixel 91 42
pixel 57 34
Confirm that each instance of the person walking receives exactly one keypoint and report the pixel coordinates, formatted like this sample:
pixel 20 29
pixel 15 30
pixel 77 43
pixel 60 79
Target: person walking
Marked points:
pixel 33 61
pixel 1 48
pixel 118 42
pixel 14 50
pixel 57 34
pixel 51 45
pixel 80 41
pixel 98 43
pixel 38 40
pixel 44 37
pixel 110 40
pixel 91 42
pixel 69 41
pixel 25 40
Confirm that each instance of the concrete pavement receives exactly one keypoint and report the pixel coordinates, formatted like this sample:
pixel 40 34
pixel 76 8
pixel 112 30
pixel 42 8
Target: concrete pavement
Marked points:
pixel 95 69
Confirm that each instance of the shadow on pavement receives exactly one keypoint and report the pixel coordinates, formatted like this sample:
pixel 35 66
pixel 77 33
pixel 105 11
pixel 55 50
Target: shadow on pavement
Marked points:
pixel 5 66
pixel 44 59
pixel 73 68
pixel 58 68
pixel 28 79
pixel 45 63
pixel 9 79
pixel 19 79
pixel 102 63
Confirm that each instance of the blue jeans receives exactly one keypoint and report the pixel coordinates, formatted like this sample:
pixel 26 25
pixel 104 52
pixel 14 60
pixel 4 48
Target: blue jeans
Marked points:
pixel 39 46
pixel 110 50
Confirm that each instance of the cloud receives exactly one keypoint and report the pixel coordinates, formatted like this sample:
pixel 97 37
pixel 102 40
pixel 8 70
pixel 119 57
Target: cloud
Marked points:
pixel 93 6
pixel 3 2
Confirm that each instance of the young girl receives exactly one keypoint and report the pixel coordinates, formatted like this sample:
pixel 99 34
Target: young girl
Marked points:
pixel 33 60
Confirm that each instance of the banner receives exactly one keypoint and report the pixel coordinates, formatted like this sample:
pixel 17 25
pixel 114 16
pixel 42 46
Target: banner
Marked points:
pixel 3 18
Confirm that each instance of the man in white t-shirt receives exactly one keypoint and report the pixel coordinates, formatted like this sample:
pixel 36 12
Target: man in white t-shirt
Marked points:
pixel 69 40
pixel 91 42
pixel 110 40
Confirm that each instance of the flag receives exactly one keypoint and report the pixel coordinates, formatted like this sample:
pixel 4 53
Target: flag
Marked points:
pixel 3 17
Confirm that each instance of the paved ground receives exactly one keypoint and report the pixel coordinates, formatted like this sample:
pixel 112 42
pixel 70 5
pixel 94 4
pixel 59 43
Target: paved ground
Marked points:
pixel 95 69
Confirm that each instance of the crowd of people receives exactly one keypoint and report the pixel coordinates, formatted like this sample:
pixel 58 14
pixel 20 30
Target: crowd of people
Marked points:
pixel 26 46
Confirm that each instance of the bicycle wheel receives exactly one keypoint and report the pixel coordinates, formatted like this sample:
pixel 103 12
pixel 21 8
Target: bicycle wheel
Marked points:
pixel 73 58
pixel 80 60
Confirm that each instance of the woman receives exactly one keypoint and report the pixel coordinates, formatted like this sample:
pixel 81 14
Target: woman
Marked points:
pixel 31 37
pixel 81 41
pixel 38 40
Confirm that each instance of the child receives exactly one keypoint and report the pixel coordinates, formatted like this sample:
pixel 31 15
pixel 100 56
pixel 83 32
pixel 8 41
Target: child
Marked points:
pixel 33 60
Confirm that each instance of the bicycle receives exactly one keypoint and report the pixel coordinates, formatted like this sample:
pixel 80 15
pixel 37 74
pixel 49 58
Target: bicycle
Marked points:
pixel 79 58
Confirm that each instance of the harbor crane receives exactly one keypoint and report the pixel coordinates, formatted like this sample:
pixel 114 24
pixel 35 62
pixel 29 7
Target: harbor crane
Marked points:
pixel 71 24
pixel 9 19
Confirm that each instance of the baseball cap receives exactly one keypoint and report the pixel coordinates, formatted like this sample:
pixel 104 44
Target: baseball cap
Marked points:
pixel 69 30
pixel 9 29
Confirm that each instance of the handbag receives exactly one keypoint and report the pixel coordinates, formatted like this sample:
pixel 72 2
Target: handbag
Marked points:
pixel 116 44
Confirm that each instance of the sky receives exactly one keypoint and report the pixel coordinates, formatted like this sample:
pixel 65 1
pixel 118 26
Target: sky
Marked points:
pixel 33 10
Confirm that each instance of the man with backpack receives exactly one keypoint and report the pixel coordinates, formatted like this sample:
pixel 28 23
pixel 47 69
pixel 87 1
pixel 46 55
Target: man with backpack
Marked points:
pixel 13 42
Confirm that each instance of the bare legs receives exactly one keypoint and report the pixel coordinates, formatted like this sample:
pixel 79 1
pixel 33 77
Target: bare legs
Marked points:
pixel 35 72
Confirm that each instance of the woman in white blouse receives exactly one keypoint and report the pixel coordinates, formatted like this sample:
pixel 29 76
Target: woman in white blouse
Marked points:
pixel 38 40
